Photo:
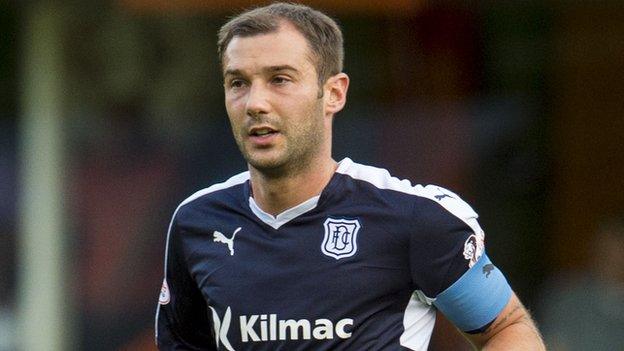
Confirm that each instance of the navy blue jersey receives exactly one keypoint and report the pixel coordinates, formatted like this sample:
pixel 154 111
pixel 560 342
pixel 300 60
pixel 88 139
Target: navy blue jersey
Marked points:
pixel 362 266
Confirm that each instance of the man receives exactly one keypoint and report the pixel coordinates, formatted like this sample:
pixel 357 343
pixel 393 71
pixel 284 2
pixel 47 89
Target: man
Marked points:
pixel 305 253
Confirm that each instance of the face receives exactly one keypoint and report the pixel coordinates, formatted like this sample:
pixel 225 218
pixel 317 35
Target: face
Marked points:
pixel 272 100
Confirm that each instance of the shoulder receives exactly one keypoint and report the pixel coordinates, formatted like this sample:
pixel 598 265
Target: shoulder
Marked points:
pixel 214 193
pixel 425 199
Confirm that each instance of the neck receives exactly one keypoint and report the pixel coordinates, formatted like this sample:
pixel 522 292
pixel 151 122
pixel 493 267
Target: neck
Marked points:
pixel 275 194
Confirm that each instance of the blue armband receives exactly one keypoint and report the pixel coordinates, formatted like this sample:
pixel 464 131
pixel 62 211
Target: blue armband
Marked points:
pixel 476 298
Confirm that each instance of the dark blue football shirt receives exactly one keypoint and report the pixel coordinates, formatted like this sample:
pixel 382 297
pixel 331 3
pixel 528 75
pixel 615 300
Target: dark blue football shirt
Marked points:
pixel 362 266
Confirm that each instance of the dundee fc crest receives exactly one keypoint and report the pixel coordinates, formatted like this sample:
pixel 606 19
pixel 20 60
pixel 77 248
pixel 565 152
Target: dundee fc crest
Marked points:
pixel 340 237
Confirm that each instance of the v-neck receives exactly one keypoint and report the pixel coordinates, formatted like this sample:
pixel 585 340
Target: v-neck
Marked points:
pixel 287 215
pixel 277 221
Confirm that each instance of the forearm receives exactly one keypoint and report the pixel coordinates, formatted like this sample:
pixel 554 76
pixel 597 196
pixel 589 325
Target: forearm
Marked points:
pixel 521 335
pixel 513 329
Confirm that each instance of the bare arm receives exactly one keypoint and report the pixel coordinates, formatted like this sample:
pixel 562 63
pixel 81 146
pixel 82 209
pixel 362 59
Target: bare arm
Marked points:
pixel 513 329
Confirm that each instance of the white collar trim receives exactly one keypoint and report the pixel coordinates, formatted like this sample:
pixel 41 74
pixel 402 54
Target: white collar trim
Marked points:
pixel 284 217
pixel 293 212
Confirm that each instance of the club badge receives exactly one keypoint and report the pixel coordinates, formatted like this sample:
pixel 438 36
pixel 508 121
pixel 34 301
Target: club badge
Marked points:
pixel 340 237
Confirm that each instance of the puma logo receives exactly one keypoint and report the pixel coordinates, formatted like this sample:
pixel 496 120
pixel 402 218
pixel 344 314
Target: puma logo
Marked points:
pixel 442 195
pixel 487 269
pixel 220 238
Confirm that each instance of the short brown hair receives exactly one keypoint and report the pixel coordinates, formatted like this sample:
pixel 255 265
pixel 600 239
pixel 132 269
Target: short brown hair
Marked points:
pixel 322 33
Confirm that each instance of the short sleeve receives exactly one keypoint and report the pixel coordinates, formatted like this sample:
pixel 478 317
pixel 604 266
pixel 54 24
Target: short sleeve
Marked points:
pixel 448 261
pixel 182 320
pixel 477 298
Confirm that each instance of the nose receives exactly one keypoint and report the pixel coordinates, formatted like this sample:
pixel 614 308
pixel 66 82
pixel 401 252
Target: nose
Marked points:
pixel 257 100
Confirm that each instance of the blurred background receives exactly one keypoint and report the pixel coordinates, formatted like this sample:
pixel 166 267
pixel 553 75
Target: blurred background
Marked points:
pixel 111 113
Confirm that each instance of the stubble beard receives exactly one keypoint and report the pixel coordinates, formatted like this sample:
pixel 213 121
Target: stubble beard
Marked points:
pixel 302 143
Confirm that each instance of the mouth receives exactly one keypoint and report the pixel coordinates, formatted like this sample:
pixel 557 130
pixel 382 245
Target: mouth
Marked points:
pixel 262 136
pixel 262 132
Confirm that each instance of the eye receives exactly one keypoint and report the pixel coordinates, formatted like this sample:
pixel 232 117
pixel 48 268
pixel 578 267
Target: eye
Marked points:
pixel 280 80
pixel 236 83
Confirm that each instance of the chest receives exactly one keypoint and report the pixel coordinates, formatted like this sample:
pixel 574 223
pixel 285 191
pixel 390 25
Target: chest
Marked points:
pixel 335 263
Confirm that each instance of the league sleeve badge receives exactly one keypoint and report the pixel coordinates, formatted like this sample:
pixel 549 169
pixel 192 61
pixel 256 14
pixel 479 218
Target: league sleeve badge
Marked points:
pixel 164 296
pixel 473 248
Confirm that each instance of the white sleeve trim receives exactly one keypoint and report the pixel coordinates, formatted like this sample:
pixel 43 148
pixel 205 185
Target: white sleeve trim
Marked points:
pixel 418 322
pixel 382 179
pixel 233 181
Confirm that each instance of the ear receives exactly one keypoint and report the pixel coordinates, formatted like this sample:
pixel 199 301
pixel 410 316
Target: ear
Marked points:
pixel 335 94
